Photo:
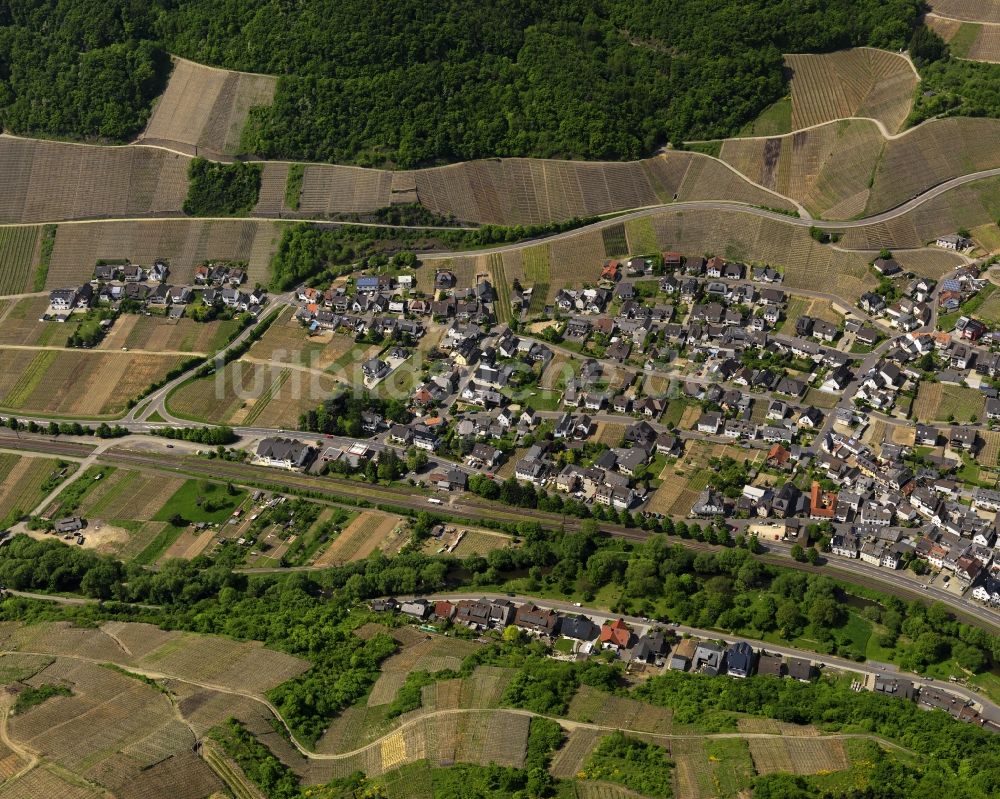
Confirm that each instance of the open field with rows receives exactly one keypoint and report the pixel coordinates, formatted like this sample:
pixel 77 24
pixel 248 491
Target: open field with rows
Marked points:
pixel 371 530
pixel 797 755
pixel 158 333
pixel 21 481
pixel 972 10
pixel 18 257
pixel 246 392
pixel 862 82
pixel 184 243
pixel 597 707
pixel 828 169
pixel 47 181
pixel 127 494
pixel 940 402
pixel 710 768
pixel 246 666
pixel 77 382
pixel 206 108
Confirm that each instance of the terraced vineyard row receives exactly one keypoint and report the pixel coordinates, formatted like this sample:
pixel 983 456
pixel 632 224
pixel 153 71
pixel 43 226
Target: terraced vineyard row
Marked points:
pixel 18 246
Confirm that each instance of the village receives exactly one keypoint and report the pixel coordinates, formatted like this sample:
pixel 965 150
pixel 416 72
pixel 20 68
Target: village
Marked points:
pixel 817 413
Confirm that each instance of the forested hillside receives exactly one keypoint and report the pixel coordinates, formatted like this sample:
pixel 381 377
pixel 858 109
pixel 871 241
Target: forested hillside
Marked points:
pixel 408 82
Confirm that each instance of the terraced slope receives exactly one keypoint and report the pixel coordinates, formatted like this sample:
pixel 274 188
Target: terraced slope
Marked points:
pixel 522 191
pixel 862 82
pixel 828 169
pixel 847 169
pixel 205 109
pixel 933 153
pixel 47 181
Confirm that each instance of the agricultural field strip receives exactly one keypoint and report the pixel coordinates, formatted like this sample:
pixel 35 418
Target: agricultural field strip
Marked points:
pixel 422 718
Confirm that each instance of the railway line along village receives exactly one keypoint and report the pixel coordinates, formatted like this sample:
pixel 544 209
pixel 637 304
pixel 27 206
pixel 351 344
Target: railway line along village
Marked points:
pixel 596 399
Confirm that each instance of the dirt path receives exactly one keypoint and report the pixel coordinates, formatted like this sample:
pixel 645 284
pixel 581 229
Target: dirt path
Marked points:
pixel 28 755
pixel 567 724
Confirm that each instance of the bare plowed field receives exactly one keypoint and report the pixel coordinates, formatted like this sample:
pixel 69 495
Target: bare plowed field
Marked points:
pixel 49 181
pixel 862 82
pixel 206 108
pixel 184 243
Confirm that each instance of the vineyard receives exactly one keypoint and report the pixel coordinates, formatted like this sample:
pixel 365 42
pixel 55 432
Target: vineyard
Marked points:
pixel 159 334
pixel 206 108
pixel 328 189
pixel 940 402
pixel 184 243
pixel 19 324
pixel 797 755
pixel 931 154
pixel 972 10
pixel 705 767
pixel 361 537
pixel 596 707
pixel 21 481
pixel 43 783
pixel 126 494
pixel 273 181
pixel 862 82
pixel 77 382
pixel 18 251
pixel 49 181
pixel 828 169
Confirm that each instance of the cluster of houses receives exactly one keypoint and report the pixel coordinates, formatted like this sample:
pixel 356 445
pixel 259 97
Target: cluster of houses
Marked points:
pixel 657 647
pixel 215 284
pixel 390 303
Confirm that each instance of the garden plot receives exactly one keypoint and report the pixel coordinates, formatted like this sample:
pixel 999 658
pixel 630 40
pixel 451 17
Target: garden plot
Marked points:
pixel 798 755
pixel 862 82
pixel 206 107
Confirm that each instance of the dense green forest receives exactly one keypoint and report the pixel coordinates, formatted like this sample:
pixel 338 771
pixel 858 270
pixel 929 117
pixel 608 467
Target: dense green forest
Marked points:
pixel 221 189
pixel 79 68
pixel 408 82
